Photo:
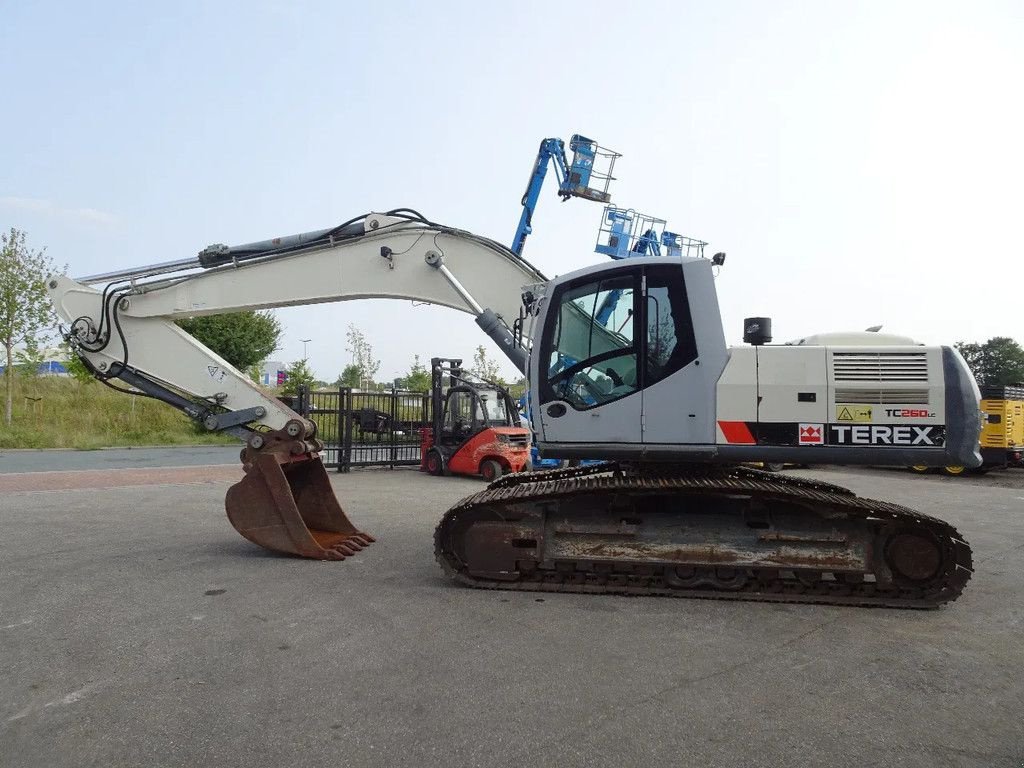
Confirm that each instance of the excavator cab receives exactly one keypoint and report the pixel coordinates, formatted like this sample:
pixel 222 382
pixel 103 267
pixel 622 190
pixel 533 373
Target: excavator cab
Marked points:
pixel 608 339
pixel 476 428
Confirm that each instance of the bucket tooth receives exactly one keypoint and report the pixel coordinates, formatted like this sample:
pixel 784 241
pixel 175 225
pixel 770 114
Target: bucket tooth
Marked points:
pixel 286 504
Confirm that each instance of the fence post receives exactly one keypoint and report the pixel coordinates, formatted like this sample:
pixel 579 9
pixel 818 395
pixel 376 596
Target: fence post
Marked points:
pixel 345 459
pixel 340 428
pixel 394 425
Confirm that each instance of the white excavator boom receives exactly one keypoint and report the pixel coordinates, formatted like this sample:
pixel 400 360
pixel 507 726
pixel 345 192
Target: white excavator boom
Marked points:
pixel 127 329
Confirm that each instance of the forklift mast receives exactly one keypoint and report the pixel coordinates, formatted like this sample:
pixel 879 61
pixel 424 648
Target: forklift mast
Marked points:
pixel 439 368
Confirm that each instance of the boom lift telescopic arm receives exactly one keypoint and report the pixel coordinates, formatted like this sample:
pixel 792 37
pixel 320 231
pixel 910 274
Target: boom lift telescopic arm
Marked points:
pixel 574 179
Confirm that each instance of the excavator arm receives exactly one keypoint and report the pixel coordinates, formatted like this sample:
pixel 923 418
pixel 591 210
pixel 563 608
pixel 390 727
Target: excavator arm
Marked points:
pixel 125 331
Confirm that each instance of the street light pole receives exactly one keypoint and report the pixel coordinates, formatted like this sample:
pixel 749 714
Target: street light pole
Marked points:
pixel 304 343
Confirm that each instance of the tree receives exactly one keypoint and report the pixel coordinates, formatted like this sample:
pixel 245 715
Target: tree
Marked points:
pixel 486 368
pixel 418 377
pixel 971 352
pixel 362 358
pixel 27 361
pixel 349 377
pixel 244 339
pixel 297 374
pixel 997 362
pixel 25 310
pixel 518 388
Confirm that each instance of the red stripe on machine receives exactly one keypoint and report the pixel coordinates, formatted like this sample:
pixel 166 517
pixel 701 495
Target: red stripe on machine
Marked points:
pixel 736 432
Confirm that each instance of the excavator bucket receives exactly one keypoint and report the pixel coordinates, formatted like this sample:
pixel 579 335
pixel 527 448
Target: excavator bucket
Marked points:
pixel 286 504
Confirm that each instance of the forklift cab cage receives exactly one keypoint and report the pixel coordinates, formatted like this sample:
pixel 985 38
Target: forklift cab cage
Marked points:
pixel 467 408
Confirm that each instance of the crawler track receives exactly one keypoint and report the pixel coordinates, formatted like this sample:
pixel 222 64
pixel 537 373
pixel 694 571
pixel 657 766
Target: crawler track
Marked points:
pixel 733 533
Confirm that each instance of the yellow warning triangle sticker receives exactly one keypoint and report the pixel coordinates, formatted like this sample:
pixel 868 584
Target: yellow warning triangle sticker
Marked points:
pixel 844 415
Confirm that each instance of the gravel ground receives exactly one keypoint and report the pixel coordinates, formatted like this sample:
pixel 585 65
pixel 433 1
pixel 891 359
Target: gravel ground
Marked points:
pixel 137 628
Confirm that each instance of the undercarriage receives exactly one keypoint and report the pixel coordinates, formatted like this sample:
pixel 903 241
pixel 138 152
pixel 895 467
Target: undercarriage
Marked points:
pixel 725 533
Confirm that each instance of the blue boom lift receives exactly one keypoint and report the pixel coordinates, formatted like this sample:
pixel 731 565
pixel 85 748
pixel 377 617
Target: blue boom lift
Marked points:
pixel 588 176
pixel 625 233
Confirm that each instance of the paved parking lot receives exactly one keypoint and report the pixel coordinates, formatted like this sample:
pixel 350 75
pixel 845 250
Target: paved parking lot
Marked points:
pixel 137 628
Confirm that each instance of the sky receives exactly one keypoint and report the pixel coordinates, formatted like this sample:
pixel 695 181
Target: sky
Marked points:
pixel 860 163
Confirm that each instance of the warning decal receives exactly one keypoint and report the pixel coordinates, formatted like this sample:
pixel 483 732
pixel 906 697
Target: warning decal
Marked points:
pixel 858 413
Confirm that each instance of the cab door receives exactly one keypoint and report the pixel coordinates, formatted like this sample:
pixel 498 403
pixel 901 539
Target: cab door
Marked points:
pixel 588 363
pixel 684 353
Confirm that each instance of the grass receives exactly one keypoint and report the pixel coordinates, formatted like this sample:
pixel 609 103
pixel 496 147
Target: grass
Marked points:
pixel 60 412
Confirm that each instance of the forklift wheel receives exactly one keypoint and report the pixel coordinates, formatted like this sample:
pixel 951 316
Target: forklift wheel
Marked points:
pixel 435 463
pixel 491 470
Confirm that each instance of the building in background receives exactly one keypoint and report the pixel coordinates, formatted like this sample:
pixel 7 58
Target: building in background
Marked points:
pixel 52 362
pixel 272 373
pixel 52 368
pixel 45 368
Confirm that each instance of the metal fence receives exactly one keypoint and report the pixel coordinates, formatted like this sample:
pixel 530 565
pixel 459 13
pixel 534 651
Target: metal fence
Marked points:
pixel 366 429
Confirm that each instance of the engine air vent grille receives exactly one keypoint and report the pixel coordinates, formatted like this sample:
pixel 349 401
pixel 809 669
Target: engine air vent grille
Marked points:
pixel 880 366
pixel 882 396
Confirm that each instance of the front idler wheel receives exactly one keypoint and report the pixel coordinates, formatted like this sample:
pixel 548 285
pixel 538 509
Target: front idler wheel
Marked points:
pixel 914 557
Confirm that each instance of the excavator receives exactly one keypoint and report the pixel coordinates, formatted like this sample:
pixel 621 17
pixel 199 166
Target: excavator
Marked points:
pixel 627 362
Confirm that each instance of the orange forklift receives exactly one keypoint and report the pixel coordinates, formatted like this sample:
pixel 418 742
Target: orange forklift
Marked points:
pixel 476 428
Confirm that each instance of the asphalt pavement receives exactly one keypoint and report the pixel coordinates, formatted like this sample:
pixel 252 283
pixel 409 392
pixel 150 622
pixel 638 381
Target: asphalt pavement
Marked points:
pixel 137 628
pixel 117 458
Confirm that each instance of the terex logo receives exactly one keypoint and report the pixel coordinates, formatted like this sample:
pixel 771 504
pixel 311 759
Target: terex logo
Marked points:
pixel 811 434
pixel 877 434
pixel 909 413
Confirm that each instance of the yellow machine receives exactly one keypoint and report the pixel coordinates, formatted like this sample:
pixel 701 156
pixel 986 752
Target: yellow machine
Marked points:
pixel 1002 436
pixel 1002 432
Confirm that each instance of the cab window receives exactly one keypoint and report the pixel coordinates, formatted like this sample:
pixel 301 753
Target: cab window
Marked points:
pixel 670 343
pixel 592 353
pixel 492 405
pixel 459 416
